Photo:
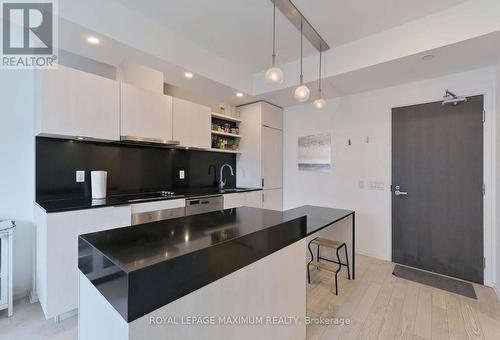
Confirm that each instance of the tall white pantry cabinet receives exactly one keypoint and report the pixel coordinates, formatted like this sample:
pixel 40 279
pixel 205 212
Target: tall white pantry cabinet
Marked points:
pixel 260 163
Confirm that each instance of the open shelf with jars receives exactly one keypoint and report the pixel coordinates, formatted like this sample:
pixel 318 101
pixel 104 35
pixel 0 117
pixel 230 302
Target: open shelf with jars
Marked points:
pixel 225 133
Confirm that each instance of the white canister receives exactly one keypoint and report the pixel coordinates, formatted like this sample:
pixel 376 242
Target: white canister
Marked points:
pixel 98 180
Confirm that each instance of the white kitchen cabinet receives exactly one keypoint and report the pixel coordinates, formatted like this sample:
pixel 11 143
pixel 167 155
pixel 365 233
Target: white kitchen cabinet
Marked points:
pixel 71 103
pixel 248 162
pixel 253 199
pixel 234 200
pixel 272 199
pixel 145 114
pixel 191 124
pixel 243 199
pixel 260 163
pixel 272 158
pixel 272 116
pixel 57 252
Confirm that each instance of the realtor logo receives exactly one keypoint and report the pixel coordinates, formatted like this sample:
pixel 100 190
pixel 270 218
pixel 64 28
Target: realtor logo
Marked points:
pixel 29 38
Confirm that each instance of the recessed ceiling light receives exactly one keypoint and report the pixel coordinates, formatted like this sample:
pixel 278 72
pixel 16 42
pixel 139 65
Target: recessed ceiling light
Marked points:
pixel 239 94
pixel 428 57
pixel 93 40
pixel 188 75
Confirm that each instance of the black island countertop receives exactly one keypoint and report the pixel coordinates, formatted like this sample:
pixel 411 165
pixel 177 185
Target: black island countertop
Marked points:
pixel 61 205
pixel 145 267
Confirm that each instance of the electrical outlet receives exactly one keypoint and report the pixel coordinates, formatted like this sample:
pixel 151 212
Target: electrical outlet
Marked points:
pixel 181 174
pixel 80 176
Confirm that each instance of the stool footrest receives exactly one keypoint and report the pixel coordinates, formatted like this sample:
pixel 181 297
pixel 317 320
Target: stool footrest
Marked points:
pixel 325 266
pixel 324 242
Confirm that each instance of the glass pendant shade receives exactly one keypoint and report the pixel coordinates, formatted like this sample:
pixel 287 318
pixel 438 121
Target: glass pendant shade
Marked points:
pixel 302 93
pixel 319 103
pixel 274 76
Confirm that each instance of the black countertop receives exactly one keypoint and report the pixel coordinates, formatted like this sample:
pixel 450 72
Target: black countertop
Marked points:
pixel 53 206
pixel 145 267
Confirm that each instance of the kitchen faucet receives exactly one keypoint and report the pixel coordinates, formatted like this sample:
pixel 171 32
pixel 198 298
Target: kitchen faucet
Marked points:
pixel 222 183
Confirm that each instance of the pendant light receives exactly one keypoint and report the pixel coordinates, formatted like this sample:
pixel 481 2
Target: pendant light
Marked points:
pixel 319 102
pixel 274 75
pixel 302 92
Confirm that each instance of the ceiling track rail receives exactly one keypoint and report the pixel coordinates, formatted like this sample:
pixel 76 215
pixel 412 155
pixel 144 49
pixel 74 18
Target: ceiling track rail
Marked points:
pixel 295 17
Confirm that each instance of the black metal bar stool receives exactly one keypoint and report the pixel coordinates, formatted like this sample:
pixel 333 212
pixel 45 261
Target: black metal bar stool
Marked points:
pixel 324 242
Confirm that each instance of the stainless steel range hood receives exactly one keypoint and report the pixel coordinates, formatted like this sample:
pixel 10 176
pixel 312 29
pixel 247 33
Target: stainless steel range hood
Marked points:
pixel 148 141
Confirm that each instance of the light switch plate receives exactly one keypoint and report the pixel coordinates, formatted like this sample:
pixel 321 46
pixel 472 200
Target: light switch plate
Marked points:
pixel 181 174
pixel 376 185
pixel 361 184
pixel 80 176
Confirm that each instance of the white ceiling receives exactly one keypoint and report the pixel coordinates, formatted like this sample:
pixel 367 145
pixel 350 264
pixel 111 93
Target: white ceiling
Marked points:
pixel 240 30
pixel 340 22
pixel 476 44
pixel 463 56
pixel 237 30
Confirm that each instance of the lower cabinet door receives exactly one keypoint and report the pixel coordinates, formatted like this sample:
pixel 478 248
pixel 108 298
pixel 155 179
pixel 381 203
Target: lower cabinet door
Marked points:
pixel 61 240
pixel 253 199
pixel 234 200
pixel 272 199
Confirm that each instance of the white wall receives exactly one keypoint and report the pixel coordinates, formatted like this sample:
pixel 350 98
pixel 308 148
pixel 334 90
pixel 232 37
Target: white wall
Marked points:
pixel 369 115
pixel 497 173
pixel 16 169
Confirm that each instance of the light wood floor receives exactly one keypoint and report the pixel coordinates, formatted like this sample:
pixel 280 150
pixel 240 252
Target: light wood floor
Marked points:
pixel 29 323
pixel 382 306
pixel 379 306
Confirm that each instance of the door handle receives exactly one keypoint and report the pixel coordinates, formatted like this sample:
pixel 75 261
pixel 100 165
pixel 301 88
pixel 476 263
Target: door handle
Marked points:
pixel 399 193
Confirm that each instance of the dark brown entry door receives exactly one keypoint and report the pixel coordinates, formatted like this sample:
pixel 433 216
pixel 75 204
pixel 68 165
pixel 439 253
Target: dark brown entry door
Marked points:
pixel 437 167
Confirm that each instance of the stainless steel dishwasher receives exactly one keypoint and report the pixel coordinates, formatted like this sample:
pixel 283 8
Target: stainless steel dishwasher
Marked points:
pixel 205 204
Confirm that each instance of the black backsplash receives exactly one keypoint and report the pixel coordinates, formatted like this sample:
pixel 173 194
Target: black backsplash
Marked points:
pixel 131 169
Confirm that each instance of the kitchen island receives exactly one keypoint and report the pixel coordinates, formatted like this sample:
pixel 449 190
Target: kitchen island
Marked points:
pixel 237 273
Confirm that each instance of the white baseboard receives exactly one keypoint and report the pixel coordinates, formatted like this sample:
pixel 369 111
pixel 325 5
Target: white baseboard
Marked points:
pixel 33 298
pixel 496 290
pixel 66 315
pixel 382 258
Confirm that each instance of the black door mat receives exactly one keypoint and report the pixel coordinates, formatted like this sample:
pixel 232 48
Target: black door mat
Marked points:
pixel 437 281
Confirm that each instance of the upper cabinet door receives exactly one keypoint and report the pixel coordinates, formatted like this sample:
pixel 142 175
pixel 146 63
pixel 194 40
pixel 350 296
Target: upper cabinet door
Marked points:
pixel 191 124
pixel 145 114
pixel 272 158
pixel 248 162
pixel 72 103
pixel 272 116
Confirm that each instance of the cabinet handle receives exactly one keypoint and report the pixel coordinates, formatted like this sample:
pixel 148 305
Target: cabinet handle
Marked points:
pixel 262 182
